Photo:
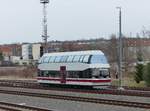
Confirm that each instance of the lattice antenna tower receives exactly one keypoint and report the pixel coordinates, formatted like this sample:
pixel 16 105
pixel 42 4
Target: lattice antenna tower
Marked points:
pixel 44 33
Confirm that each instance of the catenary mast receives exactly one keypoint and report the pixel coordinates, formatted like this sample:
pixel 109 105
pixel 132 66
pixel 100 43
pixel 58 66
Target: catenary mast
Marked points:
pixel 44 33
pixel 120 49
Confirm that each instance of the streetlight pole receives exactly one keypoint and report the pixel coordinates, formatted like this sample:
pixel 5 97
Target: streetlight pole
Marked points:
pixel 120 49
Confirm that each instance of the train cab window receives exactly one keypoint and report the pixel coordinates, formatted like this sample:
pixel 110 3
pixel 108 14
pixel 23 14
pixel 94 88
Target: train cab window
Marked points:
pixel 98 59
pixel 45 60
pixel 52 59
pixel 64 58
pixel 57 59
pixel 70 58
pixel 86 58
pixel 76 58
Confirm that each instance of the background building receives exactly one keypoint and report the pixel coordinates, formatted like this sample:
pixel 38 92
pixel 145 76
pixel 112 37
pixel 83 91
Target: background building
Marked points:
pixel 27 52
pixel 36 51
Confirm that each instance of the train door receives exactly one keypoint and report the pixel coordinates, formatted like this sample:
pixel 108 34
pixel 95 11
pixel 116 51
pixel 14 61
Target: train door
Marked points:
pixel 63 74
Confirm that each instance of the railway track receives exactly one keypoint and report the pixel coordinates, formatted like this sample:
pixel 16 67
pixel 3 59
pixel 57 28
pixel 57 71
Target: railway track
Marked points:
pixel 133 88
pixel 143 92
pixel 18 107
pixel 81 99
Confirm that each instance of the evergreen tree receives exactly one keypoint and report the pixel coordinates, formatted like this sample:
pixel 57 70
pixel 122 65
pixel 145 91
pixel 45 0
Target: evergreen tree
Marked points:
pixel 147 74
pixel 139 69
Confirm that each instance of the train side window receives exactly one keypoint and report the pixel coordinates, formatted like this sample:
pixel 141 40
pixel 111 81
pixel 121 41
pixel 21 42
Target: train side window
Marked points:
pixel 42 73
pixel 86 59
pixel 45 73
pixel 81 58
pixel 52 59
pixel 70 58
pixel 46 60
pixel 64 58
pixel 39 72
pixel 76 58
pixel 57 59
pixel 42 59
pixel 54 74
pixel 49 58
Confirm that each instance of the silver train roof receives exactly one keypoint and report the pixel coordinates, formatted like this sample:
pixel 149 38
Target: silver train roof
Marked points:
pixel 88 52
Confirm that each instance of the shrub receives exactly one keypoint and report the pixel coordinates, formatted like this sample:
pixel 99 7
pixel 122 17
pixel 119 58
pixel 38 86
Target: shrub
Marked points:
pixel 147 74
pixel 138 77
pixel 139 72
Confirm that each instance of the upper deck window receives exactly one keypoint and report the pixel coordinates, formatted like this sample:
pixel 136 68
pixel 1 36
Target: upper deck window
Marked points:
pixel 81 58
pixel 70 58
pixel 64 58
pixel 76 58
pixel 98 59
pixel 46 59
pixel 40 60
pixel 57 59
pixel 52 59
pixel 86 58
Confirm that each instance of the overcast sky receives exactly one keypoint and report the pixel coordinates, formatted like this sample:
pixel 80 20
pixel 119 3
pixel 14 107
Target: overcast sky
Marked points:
pixel 21 20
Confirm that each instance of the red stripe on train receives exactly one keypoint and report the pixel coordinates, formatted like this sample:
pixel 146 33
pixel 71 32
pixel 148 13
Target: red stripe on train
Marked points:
pixel 74 80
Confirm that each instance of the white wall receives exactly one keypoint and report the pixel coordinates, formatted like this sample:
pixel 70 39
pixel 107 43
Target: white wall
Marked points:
pixel 36 51
pixel 26 51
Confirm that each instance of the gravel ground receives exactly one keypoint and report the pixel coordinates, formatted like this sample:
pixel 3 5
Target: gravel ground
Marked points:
pixel 102 96
pixel 63 105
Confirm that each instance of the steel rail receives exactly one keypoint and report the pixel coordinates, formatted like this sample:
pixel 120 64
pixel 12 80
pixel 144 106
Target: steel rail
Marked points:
pixel 80 99
pixel 34 85
pixel 17 107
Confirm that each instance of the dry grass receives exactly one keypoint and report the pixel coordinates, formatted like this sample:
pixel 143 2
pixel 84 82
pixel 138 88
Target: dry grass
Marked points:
pixel 128 81
pixel 18 72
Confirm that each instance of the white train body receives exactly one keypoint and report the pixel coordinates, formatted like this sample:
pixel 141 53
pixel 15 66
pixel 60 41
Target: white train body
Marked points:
pixel 88 68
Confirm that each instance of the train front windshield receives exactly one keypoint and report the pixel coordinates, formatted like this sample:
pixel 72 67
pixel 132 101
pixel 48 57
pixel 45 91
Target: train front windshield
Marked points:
pixel 99 72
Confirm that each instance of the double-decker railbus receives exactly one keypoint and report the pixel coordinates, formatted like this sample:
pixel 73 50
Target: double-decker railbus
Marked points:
pixel 82 68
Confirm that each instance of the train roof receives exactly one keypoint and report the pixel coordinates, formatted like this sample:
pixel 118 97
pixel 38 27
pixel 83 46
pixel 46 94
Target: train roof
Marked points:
pixel 88 52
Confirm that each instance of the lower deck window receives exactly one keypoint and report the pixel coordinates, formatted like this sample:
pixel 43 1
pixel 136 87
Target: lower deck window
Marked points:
pixel 69 74
pixel 49 74
pixel 79 74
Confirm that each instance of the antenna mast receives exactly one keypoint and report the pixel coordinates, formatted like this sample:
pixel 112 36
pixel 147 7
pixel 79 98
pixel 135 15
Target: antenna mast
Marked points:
pixel 44 33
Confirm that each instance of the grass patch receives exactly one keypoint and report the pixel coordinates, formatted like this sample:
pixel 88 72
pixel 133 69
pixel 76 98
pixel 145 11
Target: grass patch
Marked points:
pixel 18 72
pixel 128 82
